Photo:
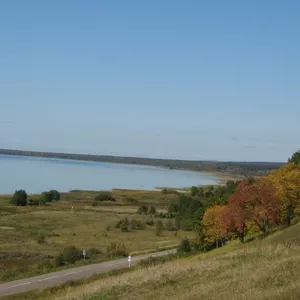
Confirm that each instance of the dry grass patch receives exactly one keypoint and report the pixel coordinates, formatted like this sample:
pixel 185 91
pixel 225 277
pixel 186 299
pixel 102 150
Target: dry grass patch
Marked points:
pixel 258 271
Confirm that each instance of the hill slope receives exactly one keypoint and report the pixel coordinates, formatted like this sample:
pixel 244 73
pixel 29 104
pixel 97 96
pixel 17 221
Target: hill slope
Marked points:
pixel 260 270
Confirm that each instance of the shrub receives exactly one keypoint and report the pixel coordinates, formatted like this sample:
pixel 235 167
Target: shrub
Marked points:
pixel 123 224
pixel 130 200
pixel 42 201
pixel 158 228
pixel 46 197
pixel 104 196
pixel 184 246
pixel 200 192
pixel 143 210
pixel 71 254
pixel 124 227
pixel 152 210
pixel 93 252
pixel 115 249
pixel 19 198
pixel 55 195
pixel 41 239
pixel 33 202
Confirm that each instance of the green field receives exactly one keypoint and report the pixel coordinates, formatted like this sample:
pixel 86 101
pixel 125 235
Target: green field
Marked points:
pixel 31 236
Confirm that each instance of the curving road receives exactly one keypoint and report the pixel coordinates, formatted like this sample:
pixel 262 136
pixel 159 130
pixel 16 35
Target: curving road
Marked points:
pixel 60 277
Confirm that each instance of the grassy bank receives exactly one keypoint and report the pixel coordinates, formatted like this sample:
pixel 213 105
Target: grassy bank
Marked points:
pixel 261 270
pixel 264 269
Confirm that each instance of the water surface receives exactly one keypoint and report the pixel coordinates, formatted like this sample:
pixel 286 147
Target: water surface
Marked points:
pixel 36 175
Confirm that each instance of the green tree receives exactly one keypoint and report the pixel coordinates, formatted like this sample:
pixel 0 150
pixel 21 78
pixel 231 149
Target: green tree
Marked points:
pixel 194 190
pixel 295 158
pixel 46 196
pixel 55 195
pixel 19 198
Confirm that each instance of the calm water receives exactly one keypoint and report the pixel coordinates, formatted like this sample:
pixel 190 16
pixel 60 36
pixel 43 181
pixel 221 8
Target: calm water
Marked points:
pixel 40 174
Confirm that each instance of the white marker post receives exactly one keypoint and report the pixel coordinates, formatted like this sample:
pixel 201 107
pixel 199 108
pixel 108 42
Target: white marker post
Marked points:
pixel 84 254
pixel 129 261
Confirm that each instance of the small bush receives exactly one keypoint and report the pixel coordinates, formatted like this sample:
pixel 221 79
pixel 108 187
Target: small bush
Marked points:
pixel 150 222
pixel 104 196
pixel 124 227
pixel 93 252
pixel 143 210
pixel 33 202
pixel 152 210
pixel 70 255
pixel 42 201
pixel 130 200
pixel 41 239
pixel 184 246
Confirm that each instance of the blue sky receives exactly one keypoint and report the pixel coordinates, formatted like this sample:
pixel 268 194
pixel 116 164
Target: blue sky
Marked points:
pixel 181 79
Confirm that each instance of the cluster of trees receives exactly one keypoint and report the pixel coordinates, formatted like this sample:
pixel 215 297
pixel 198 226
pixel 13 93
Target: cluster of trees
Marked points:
pixel 189 209
pixel 145 210
pixel 256 205
pixel 20 198
pixel 126 225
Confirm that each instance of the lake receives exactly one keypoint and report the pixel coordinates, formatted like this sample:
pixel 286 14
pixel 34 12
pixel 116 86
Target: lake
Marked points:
pixel 36 175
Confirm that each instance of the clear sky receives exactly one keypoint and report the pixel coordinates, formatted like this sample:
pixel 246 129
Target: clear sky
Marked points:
pixel 180 79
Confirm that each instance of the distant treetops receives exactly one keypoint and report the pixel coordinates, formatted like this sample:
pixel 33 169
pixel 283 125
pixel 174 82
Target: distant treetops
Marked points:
pixel 256 204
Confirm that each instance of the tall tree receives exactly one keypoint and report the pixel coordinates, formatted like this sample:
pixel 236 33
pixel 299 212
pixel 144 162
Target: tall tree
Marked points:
pixel 286 180
pixel 263 204
pixel 238 213
pixel 213 223
pixel 295 158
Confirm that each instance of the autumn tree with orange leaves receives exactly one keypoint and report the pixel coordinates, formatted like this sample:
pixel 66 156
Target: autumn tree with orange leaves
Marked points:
pixel 253 201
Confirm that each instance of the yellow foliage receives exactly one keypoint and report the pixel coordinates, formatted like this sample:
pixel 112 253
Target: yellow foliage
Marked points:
pixel 213 223
pixel 252 227
pixel 286 180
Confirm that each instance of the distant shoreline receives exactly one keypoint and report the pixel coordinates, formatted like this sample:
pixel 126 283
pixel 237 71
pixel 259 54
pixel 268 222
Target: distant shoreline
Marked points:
pixel 222 170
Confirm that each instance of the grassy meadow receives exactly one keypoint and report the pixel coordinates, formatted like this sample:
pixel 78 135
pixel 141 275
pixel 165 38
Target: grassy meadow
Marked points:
pixel 263 269
pixel 30 236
